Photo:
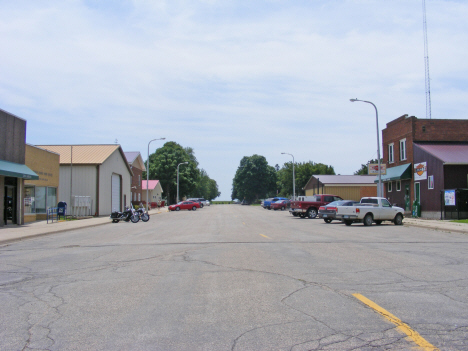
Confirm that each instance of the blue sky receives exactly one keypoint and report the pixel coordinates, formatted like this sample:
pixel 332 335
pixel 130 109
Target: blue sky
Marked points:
pixel 230 78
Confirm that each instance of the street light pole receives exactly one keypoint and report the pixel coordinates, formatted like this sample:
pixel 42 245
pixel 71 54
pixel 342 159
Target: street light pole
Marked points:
pixel 147 173
pixel 379 189
pixel 294 176
pixel 182 163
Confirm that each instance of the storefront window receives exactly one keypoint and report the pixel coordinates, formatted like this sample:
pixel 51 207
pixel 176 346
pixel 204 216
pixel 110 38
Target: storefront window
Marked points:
pixel 51 197
pixel 29 200
pixel 41 199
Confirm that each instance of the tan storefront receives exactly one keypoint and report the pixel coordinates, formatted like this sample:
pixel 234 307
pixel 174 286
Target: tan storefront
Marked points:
pixel 42 193
pixel 349 187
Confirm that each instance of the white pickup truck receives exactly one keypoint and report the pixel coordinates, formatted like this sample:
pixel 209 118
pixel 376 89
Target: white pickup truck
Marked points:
pixel 369 210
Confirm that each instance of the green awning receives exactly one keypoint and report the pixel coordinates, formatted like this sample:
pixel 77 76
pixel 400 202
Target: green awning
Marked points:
pixel 396 173
pixel 16 170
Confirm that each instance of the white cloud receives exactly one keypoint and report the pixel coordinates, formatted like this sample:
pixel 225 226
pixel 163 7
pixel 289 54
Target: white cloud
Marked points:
pixel 230 78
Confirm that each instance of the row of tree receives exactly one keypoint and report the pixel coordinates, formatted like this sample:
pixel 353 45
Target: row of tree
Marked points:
pixel 255 179
pixel 193 181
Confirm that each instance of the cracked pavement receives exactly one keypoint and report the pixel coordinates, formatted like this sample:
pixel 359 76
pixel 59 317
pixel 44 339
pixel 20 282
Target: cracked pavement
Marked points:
pixel 209 280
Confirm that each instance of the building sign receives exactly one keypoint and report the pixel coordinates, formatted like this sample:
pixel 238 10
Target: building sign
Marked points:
pixel 420 171
pixel 449 197
pixel 373 168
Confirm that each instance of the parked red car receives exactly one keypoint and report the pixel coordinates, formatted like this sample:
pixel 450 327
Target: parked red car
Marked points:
pixel 280 205
pixel 185 205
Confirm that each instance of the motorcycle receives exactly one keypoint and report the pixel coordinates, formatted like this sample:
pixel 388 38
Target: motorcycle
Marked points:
pixel 144 216
pixel 128 215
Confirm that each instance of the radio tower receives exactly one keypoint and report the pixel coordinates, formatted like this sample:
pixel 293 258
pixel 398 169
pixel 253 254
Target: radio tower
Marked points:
pixel 426 62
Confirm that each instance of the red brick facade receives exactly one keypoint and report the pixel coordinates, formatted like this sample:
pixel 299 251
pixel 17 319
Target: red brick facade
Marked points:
pixel 136 186
pixel 419 130
pixel 411 129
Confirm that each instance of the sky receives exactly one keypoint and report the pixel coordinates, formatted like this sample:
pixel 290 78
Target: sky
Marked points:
pixel 230 78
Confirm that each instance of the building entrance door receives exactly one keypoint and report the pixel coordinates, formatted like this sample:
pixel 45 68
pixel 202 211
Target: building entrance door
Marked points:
pixel 407 198
pixel 9 203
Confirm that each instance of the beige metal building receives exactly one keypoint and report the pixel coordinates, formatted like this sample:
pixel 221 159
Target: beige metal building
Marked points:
pixel 100 172
pixel 348 187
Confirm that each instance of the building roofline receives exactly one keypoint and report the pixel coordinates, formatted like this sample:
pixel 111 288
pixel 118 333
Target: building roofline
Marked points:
pixel 40 148
pixel 13 115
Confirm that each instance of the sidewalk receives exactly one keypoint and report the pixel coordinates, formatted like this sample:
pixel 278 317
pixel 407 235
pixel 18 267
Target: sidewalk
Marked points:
pixel 13 232
pixel 436 224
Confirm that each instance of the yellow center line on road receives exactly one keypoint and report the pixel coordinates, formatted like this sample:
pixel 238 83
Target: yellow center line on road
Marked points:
pixel 403 327
pixel 265 236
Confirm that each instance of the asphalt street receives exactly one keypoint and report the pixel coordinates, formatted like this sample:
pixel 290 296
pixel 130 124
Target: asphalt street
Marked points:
pixel 231 277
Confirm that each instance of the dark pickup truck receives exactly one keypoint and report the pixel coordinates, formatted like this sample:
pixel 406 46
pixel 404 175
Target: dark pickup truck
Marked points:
pixel 310 208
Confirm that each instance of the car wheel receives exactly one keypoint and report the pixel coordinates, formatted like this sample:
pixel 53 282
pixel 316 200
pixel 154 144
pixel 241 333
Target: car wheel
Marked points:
pixel 282 208
pixel 378 222
pixel 398 219
pixel 368 219
pixel 312 213
pixel 348 223
pixel 177 208
pixel 327 220
pixel 194 208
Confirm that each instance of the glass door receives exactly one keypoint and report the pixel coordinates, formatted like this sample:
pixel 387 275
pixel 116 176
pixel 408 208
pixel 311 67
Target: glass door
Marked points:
pixel 407 197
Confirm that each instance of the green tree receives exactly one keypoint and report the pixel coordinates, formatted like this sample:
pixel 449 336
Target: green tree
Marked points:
pixel 163 166
pixel 303 173
pixel 206 187
pixel 254 179
pixel 213 191
pixel 363 170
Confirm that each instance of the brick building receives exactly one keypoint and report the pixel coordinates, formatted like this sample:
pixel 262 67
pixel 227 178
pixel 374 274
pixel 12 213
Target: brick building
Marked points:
pixel 42 193
pixel 13 170
pixel 404 140
pixel 135 161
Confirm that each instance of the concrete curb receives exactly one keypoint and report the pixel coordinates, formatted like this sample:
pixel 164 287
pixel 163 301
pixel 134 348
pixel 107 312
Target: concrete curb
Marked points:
pixel 446 227
pixel 36 235
pixel 19 234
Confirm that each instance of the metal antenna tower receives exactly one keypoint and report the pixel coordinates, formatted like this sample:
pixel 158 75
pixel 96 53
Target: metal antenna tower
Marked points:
pixel 426 62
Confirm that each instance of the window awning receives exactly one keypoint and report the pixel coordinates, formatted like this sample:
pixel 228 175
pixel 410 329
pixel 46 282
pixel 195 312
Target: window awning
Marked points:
pixel 396 173
pixel 17 170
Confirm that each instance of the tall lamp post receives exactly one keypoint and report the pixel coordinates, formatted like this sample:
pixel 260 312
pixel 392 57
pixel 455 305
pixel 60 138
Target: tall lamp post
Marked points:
pixel 379 189
pixel 182 163
pixel 294 176
pixel 147 173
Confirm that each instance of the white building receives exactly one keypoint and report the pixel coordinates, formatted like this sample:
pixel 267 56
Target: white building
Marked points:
pixel 154 191
pixel 98 171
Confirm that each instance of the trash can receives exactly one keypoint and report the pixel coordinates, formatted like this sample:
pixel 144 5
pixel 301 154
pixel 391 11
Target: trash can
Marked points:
pixel 61 209
pixel 416 209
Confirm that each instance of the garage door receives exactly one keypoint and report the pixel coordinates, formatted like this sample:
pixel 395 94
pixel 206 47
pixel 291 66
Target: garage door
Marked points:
pixel 115 192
